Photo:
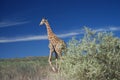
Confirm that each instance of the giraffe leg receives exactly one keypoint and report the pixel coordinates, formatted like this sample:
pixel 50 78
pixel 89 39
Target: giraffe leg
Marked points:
pixel 58 50
pixel 56 57
pixel 50 57
pixel 60 56
pixel 50 61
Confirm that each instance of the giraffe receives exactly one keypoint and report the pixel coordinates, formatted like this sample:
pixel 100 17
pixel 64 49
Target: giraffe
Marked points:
pixel 56 45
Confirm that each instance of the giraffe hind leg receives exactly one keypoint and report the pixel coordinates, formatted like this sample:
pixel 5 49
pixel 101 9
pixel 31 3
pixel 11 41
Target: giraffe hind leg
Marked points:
pixel 56 57
pixel 59 53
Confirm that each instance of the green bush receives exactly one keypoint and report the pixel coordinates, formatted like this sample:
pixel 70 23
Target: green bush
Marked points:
pixel 94 57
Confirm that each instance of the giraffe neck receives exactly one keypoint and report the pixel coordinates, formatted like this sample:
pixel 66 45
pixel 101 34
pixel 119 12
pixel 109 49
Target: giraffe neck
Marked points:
pixel 49 30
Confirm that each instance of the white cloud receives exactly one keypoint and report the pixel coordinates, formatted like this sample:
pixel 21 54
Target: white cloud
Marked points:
pixel 44 37
pixel 32 38
pixel 111 28
pixel 68 34
pixel 114 28
pixel 24 38
pixel 11 23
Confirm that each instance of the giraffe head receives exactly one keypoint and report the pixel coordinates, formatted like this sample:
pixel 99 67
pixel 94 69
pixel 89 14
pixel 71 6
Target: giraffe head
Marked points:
pixel 43 21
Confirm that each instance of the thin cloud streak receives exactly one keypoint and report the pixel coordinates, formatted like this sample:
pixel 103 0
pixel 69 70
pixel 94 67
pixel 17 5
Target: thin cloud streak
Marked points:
pixel 32 38
pixel 112 28
pixel 25 38
pixel 44 37
pixel 12 23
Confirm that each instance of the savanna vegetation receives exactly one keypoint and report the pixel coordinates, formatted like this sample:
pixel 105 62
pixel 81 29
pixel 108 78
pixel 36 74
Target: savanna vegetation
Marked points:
pixel 96 56
pixel 29 68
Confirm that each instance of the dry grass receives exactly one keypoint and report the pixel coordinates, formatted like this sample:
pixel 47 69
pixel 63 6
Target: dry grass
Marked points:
pixel 31 68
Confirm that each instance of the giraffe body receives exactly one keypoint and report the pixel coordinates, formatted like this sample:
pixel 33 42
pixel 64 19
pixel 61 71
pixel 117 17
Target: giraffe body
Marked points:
pixel 56 45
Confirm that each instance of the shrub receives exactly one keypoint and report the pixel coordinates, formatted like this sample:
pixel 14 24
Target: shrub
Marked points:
pixel 95 57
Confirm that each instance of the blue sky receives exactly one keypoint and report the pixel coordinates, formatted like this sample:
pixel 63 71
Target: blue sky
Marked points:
pixel 21 35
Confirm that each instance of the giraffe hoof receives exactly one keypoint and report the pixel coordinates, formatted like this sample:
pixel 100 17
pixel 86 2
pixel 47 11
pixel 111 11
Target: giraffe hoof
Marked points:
pixel 55 70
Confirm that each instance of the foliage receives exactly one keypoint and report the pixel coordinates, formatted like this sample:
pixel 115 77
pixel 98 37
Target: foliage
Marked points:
pixel 95 57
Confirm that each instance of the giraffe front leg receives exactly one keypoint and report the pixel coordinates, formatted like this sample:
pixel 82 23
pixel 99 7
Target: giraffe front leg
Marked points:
pixel 50 61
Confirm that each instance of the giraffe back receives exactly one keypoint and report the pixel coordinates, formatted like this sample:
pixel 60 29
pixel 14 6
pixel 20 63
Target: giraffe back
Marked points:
pixel 58 44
